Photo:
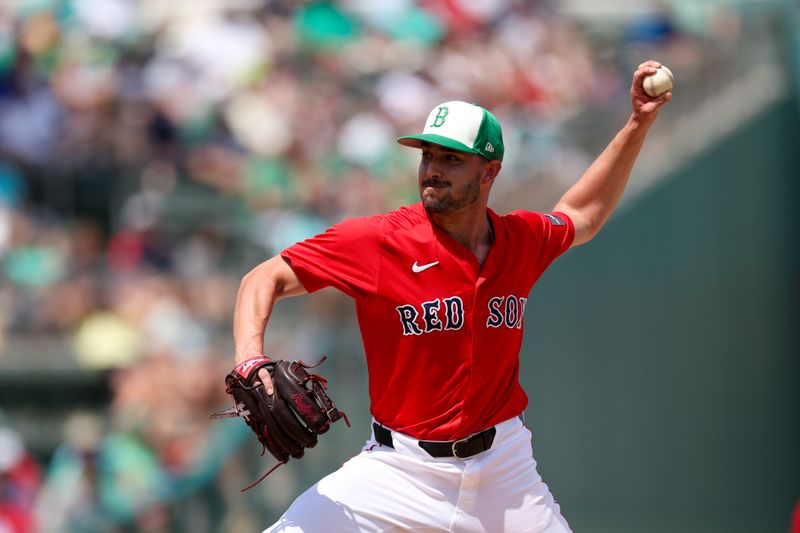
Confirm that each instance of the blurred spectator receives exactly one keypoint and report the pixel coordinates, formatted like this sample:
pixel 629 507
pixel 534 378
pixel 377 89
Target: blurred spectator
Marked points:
pixel 653 24
pixel 99 483
pixel 20 479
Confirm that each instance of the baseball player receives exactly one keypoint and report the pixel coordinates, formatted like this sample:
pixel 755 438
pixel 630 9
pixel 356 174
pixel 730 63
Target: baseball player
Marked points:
pixel 441 288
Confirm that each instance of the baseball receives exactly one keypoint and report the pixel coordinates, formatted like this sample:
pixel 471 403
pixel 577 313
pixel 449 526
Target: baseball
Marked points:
pixel 658 83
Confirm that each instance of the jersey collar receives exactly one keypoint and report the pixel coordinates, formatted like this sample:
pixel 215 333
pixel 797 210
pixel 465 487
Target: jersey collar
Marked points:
pixel 461 253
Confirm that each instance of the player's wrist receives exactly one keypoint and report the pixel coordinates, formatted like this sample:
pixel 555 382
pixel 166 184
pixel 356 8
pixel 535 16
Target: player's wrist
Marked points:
pixel 241 357
pixel 640 122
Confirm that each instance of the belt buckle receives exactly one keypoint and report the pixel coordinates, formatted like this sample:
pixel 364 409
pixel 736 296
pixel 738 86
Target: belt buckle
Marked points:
pixel 457 442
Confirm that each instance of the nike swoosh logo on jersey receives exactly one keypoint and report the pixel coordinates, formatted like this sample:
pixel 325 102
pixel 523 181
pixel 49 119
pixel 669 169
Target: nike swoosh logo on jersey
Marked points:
pixel 419 268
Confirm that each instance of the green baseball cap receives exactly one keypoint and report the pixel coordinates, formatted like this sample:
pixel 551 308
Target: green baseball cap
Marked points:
pixel 463 127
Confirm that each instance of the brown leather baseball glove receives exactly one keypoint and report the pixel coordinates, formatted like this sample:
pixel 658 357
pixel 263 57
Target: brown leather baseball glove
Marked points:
pixel 289 420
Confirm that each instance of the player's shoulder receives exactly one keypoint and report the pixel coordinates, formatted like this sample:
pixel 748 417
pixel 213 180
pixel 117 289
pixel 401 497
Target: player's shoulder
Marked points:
pixel 521 216
pixel 535 224
pixel 406 217
pixel 403 218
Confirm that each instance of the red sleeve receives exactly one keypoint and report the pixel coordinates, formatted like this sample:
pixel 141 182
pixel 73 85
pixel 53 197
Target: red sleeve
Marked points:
pixel 346 257
pixel 551 235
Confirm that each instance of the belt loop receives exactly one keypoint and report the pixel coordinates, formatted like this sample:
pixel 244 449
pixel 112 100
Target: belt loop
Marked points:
pixel 383 435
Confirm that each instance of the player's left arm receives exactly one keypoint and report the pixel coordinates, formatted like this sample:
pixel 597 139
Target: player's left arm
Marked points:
pixel 590 202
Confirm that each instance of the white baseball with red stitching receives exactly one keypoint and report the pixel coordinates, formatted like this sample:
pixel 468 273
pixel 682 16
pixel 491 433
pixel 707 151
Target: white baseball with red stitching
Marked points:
pixel 658 83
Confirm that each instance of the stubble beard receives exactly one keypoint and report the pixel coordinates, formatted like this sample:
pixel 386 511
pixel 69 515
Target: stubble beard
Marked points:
pixel 451 202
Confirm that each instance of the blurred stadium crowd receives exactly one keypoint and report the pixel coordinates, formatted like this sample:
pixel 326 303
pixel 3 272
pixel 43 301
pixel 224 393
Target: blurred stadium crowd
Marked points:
pixel 151 152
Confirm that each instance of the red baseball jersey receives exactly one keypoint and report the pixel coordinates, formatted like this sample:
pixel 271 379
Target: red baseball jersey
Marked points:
pixel 441 333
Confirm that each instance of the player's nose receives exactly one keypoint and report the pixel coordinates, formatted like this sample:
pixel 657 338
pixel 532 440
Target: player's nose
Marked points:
pixel 432 170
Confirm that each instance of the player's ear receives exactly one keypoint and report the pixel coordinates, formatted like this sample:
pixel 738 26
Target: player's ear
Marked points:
pixel 490 170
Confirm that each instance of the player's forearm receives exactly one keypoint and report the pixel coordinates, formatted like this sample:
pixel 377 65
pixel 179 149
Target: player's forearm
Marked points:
pixel 258 292
pixel 593 198
pixel 253 308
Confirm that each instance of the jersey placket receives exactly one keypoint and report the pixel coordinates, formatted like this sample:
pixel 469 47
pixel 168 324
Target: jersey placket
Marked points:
pixel 478 274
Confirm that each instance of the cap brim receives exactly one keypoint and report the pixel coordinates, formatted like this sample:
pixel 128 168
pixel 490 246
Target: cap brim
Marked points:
pixel 415 141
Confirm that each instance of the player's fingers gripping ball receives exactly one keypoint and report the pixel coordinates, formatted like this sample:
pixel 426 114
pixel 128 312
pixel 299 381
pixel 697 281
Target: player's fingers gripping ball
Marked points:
pixel 289 420
pixel 658 83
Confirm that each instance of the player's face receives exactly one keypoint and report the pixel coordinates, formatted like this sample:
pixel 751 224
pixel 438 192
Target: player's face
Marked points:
pixel 449 180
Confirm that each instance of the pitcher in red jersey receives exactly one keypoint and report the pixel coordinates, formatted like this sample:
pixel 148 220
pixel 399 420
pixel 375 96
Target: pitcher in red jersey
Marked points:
pixel 440 289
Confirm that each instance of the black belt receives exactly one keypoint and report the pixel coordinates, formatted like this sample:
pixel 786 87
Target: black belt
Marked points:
pixel 461 448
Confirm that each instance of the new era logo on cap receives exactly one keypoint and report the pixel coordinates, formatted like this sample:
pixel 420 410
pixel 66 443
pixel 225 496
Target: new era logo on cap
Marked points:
pixel 461 126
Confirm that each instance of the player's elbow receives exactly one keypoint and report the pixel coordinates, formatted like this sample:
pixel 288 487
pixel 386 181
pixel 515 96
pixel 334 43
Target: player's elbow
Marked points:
pixel 586 224
pixel 585 232
pixel 274 277
pixel 583 235
pixel 264 278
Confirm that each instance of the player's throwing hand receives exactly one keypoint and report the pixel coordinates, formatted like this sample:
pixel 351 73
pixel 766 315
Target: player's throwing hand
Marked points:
pixel 646 107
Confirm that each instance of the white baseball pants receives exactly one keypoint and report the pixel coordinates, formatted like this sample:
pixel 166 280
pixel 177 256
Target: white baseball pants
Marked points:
pixel 385 490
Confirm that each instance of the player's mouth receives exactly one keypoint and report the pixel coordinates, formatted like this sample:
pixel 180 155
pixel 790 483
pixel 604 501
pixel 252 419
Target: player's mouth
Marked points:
pixel 435 184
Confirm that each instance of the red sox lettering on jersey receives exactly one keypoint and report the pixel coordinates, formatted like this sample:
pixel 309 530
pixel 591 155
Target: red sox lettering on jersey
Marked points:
pixel 441 332
pixel 448 314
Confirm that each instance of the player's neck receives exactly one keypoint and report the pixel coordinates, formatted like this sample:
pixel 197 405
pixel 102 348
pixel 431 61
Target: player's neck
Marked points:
pixel 470 227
